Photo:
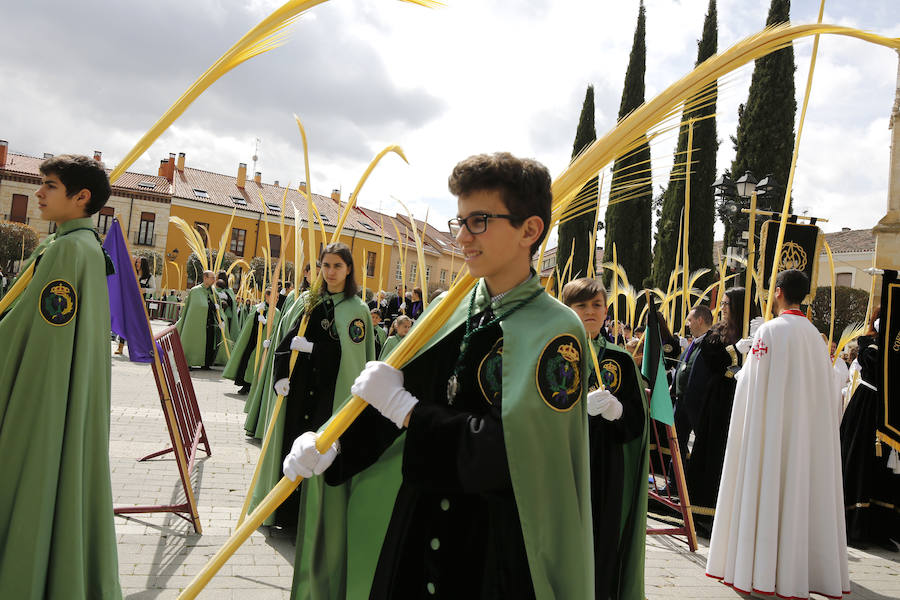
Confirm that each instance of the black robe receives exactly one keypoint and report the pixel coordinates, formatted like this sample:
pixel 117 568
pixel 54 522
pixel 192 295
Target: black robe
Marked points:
pixel 308 404
pixel 871 490
pixel 713 377
pixel 607 467
pixel 454 531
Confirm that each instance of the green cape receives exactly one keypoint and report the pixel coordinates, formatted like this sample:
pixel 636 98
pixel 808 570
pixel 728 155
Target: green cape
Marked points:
pixel 551 479
pixel 191 325
pixel 389 345
pixel 57 536
pixel 261 385
pixel 237 351
pixel 313 546
pixel 636 459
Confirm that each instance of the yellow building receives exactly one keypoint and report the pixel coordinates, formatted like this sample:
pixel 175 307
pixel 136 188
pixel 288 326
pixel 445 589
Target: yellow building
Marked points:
pixel 205 199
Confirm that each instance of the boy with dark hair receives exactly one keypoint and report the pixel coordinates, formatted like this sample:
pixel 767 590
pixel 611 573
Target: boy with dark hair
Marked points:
pixel 57 537
pixel 482 487
pixel 618 430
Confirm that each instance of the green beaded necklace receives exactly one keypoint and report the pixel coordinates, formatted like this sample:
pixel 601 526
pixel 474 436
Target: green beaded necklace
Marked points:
pixel 453 382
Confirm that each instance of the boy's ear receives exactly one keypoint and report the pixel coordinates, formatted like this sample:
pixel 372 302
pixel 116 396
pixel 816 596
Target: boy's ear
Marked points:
pixel 532 228
pixel 82 198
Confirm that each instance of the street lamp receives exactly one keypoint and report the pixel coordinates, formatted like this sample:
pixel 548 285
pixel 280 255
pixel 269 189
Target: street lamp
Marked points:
pixel 745 185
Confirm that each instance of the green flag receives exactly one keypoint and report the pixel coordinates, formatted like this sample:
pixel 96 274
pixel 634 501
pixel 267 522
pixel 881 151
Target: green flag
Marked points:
pixel 653 371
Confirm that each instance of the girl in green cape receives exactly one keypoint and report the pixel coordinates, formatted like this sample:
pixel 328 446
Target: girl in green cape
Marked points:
pixel 336 346
pixel 399 328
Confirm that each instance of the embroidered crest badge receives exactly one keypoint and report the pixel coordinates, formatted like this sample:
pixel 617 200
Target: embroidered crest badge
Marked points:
pixel 558 374
pixel 58 303
pixel 490 373
pixel 610 375
pixel 357 331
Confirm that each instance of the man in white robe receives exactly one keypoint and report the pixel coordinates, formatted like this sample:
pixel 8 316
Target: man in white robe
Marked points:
pixel 779 525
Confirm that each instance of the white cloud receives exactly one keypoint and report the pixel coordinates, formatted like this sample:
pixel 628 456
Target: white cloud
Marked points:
pixel 445 83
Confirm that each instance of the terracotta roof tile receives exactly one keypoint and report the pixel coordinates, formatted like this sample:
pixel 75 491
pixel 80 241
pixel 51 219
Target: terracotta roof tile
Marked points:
pixel 855 240
pixel 153 184
pixel 222 189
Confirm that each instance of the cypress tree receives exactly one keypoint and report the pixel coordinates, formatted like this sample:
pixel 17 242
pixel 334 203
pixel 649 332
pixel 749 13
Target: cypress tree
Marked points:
pixel 703 174
pixel 628 216
pixel 578 230
pixel 765 134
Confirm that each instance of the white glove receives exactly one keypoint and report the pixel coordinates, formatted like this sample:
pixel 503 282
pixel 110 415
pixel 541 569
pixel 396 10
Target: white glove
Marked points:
pixel 743 345
pixel 267 343
pixel 754 325
pixel 603 403
pixel 301 344
pixel 381 385
pixel 261 319
pixel 304 460
pixel 283 387
pixel 403 306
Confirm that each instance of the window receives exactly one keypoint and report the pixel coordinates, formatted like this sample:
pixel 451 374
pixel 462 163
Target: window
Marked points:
pixel 201 193
pixel 145 231
pixel 19 211
pixel 203 228
pixel 237 241
pixel 412 271
pixel 398 275
pixel 148 185
pixel 239 201
pixel 427 272
pixel 275 244
pixel 845 279
pixel 273 207
pixel 104 218
pixel 370 264
pixel 367 226
pixel 443 276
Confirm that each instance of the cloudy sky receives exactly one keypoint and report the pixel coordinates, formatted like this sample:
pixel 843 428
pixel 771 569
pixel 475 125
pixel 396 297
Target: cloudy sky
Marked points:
pixel 474 76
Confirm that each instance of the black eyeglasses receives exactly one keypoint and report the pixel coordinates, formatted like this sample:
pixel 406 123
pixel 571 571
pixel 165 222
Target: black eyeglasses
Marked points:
pixel 475 223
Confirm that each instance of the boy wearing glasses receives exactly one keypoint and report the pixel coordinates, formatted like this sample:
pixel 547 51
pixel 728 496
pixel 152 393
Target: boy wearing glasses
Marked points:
pixel 469 467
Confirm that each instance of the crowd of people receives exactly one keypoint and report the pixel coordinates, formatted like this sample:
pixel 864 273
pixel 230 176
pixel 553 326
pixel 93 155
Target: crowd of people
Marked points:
pixel 509 458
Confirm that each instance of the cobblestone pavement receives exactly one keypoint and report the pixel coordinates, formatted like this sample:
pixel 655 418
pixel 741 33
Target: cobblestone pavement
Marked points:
pixel 159 553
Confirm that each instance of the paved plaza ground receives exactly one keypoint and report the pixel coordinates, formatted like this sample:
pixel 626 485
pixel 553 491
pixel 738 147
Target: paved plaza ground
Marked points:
pixel 159 554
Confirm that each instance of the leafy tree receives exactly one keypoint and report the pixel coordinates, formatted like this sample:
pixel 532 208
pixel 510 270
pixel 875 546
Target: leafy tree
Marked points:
pixel 764 142
pixel 702 173
pixel 258 266
pixel 194 269
pixel 12 237
pixel 578 230
pixel 850 308
pixel 628 215
pixel 153 256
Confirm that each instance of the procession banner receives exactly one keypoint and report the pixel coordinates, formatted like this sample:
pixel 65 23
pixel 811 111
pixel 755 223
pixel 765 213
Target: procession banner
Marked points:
pixel 889 341
pixel 801 250
pixel 126 305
